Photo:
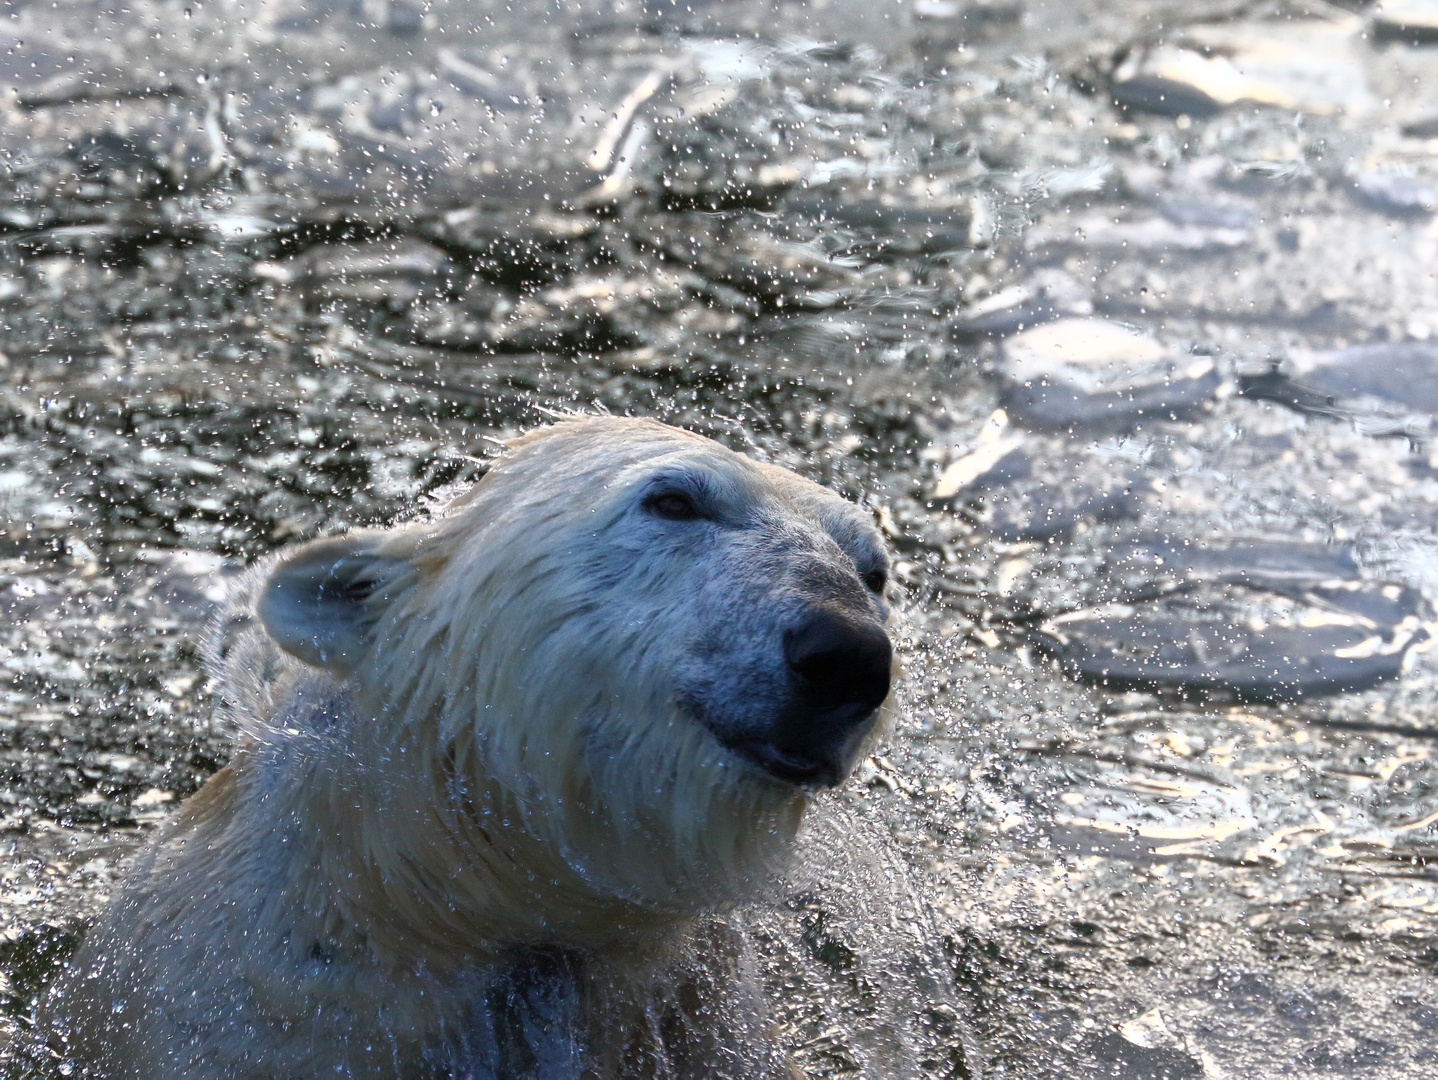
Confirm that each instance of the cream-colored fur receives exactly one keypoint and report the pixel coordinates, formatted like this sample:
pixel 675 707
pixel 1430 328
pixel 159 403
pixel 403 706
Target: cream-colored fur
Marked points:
pixel 473 826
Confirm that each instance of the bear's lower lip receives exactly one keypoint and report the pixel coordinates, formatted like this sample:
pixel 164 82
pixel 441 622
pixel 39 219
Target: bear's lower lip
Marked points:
pixel 802 769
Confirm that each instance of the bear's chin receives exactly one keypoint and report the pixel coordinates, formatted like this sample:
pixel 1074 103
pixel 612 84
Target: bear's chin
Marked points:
pixel 708 829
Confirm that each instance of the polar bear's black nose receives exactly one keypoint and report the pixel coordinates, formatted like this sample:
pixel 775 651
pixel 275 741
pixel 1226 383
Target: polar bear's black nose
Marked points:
pixel 842 663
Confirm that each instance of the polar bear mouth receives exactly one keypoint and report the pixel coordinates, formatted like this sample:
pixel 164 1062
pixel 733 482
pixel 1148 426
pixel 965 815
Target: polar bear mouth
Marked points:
pixel 806 770
pixel 825 766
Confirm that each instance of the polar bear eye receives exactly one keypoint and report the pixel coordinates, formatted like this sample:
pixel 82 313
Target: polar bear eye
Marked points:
pixel 673 506
pixel 876 579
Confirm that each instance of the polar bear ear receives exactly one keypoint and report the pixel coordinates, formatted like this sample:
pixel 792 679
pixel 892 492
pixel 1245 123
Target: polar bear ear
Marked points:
pixel 322 602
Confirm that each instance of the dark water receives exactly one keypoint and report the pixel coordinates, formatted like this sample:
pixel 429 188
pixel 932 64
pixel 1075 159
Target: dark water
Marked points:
pixel 1124 318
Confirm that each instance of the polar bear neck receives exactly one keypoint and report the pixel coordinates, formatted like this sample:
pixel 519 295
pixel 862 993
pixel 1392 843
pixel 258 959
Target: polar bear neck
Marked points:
pixel 441 863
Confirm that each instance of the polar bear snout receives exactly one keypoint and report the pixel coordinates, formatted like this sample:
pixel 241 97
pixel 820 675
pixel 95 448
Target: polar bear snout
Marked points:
pixel 839 668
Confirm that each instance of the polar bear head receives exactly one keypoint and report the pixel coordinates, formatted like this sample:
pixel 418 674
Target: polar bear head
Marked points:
pixel 657 648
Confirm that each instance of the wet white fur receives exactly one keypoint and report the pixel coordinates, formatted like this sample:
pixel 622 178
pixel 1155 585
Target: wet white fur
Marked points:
pixel 484 754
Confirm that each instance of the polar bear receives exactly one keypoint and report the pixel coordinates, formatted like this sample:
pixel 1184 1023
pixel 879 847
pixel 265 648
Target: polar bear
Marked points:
pixel 499 774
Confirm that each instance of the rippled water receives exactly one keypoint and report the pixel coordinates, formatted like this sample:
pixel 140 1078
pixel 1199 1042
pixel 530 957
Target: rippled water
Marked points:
pixel 1125 320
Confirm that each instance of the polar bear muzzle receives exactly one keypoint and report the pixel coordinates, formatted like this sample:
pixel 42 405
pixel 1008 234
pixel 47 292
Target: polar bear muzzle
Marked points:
pixel 840 667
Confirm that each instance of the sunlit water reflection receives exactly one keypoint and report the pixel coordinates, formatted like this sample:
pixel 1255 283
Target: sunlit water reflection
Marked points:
pixel 274 272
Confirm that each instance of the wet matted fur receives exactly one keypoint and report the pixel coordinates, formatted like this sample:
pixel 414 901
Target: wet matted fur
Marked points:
pixel 485 810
